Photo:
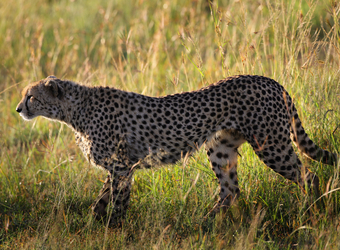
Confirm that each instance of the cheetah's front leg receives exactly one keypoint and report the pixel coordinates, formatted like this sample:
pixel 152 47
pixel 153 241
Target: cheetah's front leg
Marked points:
pixel 103 199
pixel 117 192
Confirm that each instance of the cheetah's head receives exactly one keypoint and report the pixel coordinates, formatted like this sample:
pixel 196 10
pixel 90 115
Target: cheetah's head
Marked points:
pixel 43 98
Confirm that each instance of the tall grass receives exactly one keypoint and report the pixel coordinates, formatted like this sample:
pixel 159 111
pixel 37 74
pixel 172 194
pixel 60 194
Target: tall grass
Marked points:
pixel 157 48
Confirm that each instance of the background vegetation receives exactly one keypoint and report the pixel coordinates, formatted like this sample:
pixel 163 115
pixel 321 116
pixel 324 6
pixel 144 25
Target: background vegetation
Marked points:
pixel 157 48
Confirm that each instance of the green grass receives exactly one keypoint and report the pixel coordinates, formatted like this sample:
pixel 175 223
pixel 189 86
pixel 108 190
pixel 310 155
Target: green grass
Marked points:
pixel 157 48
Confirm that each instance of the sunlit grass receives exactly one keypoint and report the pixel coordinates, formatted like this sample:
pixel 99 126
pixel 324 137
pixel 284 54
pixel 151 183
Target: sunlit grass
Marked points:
pixel 157 48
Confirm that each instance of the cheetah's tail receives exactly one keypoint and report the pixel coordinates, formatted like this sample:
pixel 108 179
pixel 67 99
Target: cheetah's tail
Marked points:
pixel 306 145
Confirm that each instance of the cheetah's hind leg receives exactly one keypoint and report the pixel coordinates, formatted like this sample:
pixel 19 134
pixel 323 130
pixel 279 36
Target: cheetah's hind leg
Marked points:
pixel 222 153
pixel 287 164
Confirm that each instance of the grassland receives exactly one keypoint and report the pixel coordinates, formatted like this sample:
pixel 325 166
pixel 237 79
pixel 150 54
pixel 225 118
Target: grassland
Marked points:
pixel 157 48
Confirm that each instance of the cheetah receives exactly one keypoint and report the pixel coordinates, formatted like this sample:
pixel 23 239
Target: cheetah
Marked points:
pixel 121 131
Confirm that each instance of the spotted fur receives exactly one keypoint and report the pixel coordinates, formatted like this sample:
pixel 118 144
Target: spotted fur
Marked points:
pixel 120 131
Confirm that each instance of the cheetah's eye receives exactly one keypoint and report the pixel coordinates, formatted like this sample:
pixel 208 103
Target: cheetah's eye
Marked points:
pixel 29 97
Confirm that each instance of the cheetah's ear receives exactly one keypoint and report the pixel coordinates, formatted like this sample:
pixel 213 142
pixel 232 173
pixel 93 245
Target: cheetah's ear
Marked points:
pixel 52 86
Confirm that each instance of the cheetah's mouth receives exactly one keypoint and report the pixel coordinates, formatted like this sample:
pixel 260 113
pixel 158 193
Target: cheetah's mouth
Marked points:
pixel 26 116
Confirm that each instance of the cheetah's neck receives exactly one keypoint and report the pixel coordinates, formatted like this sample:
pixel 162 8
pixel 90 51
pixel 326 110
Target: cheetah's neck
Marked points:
pixel 75 102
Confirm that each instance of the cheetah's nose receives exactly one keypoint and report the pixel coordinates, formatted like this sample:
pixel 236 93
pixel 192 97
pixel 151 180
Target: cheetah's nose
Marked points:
pixel 18 110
